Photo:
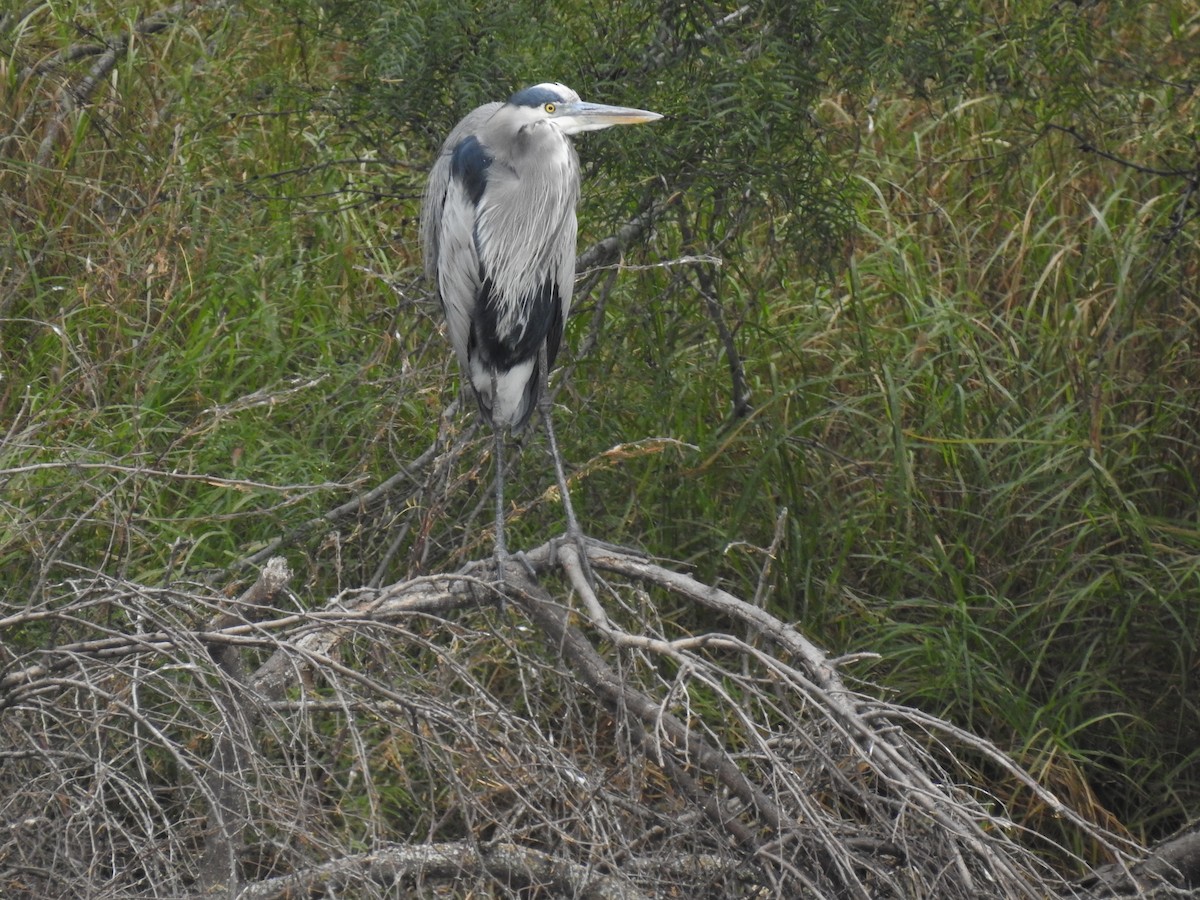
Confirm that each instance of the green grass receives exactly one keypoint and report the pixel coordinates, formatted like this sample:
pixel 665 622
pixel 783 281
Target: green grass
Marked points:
pixel 1009 517
pixel 984 432
pixel 200 324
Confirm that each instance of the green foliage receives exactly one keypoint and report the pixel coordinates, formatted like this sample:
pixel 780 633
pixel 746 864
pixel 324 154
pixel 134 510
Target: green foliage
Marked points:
pixel 953 247
pixel 180 311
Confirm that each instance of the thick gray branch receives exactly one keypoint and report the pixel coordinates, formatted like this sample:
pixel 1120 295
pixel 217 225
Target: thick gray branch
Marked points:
pixel 507 864
pixel 229 814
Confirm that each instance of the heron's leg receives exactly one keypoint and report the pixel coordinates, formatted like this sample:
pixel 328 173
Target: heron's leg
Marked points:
pixel 501 552
pixel 498 452
pixel 573 530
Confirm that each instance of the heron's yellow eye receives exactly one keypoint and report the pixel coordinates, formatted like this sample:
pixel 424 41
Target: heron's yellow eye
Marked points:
pixel 549 107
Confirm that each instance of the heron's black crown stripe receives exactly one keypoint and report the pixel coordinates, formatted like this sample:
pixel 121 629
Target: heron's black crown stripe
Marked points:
pixel 535 96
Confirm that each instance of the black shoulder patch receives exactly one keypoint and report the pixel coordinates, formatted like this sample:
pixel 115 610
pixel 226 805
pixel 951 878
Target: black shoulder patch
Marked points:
pixel 469 164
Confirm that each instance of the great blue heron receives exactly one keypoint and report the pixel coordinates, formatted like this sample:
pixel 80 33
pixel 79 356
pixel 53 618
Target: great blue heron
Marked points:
pixel 498 227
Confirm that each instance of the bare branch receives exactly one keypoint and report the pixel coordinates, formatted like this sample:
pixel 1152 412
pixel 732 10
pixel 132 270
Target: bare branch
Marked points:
pixel 507 864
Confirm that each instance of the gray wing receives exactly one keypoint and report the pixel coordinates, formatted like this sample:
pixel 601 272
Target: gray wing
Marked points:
pixel 439 180
pixel 447 223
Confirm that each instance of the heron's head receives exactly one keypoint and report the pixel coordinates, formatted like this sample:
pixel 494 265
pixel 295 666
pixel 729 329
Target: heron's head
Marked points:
pixel 559 106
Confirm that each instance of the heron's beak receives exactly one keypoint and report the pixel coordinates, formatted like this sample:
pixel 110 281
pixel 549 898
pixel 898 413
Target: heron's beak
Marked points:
pixel 575 117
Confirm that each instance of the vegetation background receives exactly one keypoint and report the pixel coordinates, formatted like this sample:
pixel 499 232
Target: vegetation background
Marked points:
pixel 914 285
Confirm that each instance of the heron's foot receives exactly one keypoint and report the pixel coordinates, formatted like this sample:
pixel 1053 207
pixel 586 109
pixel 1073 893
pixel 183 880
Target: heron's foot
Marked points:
pixel 520 557
pixel 581 541
pixel 500 557
pixel 502 561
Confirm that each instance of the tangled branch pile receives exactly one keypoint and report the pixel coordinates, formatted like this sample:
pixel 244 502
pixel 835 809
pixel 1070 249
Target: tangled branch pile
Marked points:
pixel 454 734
